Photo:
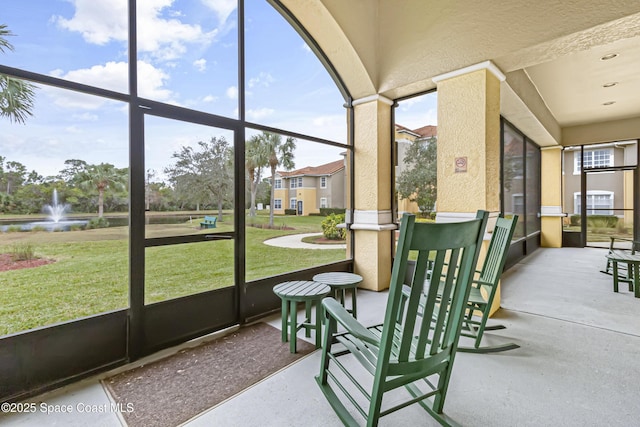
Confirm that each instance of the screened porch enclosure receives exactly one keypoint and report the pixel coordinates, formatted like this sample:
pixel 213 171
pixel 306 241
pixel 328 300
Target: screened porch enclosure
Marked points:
pixel 600 199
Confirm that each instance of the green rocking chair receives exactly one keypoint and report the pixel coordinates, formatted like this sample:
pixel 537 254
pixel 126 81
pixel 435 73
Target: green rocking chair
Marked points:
pixel 488 279
pixel 408 349
pixel 627 245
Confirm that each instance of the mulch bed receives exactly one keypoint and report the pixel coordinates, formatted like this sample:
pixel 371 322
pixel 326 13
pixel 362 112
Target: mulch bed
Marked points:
pixel 7 263
pixel 173 390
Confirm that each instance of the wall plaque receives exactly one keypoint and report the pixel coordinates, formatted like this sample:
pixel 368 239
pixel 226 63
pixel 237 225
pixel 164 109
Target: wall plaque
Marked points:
pixel 461 164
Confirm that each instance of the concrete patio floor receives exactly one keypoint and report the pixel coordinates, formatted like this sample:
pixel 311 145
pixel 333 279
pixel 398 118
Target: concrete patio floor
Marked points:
pixel 577 364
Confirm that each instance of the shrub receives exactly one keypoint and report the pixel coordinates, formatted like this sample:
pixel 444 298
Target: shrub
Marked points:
pixel 575 220
pixel 329 211
pixel 602 221
pixel 330 227
pixel 14 229
pixel 22 252
pixel 100 222
pixel 428 215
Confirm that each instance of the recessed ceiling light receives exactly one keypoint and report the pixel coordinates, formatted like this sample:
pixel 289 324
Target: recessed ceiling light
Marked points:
pixel 609 56
pixel 610 84
pixel 609 103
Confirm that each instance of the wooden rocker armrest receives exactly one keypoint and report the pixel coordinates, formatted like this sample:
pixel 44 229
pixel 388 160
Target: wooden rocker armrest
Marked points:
pixel 334 309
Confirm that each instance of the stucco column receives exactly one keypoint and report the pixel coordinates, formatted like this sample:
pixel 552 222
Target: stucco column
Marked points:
pixel 551 197
pixel 372 218
pixel 469 141
pixel 469 146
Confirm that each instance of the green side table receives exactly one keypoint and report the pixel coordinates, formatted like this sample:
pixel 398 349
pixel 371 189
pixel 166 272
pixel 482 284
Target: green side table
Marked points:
pixel 340 282
pixel 308 292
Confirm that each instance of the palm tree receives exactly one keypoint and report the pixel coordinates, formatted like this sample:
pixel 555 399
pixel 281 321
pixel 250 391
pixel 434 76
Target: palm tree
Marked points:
pixel 102 177
pixel 16 96
pixel 279 154
pixel 255 160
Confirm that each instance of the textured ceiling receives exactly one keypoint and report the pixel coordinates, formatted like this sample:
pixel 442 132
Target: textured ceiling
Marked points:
pixel 395 48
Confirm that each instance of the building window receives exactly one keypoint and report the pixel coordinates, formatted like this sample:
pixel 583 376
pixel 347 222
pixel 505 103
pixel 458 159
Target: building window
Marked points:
pixel 293 203
pixel 323 182
pixel 598 203
pixel 277 204
pixel 593 159
pixel 517 201
pixel 278 183
pixel 323 202
pixel 296 182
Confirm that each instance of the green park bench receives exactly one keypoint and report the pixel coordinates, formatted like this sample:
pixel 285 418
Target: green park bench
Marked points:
pixel 209 222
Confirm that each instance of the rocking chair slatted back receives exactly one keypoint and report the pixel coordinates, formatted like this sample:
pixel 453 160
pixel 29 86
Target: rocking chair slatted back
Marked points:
pixel 419 336
pixel 484 288
pixel 453 249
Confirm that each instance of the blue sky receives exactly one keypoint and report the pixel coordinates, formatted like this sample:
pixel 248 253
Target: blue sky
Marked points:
pixel 187 56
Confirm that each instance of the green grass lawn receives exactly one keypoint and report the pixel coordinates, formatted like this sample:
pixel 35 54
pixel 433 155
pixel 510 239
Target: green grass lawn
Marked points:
pixel 91 271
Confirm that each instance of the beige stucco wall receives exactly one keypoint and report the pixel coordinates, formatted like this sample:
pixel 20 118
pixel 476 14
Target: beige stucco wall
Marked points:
pixel 282 194
pixel 308 198
pixel 551 197
pixel 469 126
pixel 372 190
pixel 372 155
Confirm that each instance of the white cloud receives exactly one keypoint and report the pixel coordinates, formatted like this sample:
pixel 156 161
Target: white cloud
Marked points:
pixel 151 81
pixel 200 64
pixel 209 98
pixel 259 114
pixel 73 129
pixel 306 47
pixel 101 22
pixel 327 121
pixel 263 79
pixel 98 21
pixel 85 117
pixel 222 8
pixel 232 92
pixel 114 76
pixel 408 104
pixel 330 126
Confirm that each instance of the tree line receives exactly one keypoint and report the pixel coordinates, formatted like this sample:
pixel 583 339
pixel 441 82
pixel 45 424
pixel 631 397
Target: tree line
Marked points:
pixel 201 177
pixel 87 187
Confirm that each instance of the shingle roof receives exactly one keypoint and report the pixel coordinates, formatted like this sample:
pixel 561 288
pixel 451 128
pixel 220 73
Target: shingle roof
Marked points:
pixel 400 128
pixel 427 131
pixel 423 132
pixel 326 169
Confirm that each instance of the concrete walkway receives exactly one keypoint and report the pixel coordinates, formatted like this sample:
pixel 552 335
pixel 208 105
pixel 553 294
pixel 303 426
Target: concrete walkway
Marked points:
pixel 295 241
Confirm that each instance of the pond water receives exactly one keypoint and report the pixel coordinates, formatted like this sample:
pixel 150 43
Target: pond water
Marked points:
pixel 66 225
